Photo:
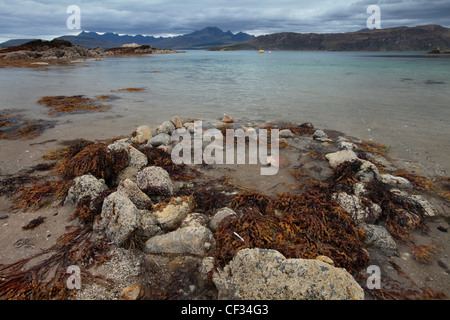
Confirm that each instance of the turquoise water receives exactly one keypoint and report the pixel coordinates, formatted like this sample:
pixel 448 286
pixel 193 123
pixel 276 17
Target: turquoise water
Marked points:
pixel 399 101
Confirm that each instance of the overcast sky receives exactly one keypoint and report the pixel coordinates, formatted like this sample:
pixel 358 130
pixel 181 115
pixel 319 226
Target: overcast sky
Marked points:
pixel 47 19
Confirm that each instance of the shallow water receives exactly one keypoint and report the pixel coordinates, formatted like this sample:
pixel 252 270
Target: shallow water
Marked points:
pixel 398 101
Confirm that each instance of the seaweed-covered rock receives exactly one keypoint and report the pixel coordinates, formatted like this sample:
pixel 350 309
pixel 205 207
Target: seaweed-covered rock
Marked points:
pixel 194 239
pixel 358 210
pixel 142 135
pixel 339 157
pixel 86 185
pixel 136 158
pixel 119 218
pixel 155 181
pixel 367 171
pixel 170 215
pixel 260 274
pixel 415 200
pixel 220 216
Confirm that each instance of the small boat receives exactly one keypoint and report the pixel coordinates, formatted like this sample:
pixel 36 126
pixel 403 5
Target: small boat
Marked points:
pixel 260 51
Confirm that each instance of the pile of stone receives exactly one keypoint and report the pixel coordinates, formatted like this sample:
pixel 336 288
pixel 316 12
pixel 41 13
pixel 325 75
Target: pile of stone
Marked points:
pixel 172 227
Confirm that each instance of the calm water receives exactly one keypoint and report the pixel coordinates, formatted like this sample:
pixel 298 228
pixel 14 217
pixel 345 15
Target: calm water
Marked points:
pixel 401 102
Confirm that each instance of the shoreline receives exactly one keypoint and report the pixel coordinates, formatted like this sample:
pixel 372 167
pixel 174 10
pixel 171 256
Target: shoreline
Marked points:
pixel 305 168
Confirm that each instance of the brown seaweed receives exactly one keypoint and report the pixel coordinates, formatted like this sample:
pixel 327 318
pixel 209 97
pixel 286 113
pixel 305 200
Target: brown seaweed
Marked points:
pixel 71 104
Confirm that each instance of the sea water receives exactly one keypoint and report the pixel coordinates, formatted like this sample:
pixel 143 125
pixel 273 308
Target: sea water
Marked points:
pixel 398 99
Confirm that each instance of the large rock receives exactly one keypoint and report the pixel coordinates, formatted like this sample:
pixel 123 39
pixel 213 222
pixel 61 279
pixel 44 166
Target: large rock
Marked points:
pixel 379 237
pixel 367 171
pixel 394 181
pixel 260 274
pixel 339 157
pixel 415 200
pixel 166 127
pixel 119 218
pixel 130 189
pixel 136 159
pixel 355 207
pixel 194 239
pixel 142 135
pixel 170 215
pixel 86 185
pixel 220 216
pixel 155 181
pixel 161 139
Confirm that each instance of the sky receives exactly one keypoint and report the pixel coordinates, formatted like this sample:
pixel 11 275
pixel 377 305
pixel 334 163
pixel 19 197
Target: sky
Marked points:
pixel 48 19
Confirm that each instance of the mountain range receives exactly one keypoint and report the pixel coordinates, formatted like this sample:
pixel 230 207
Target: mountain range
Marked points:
pixel 207 37
pixel 420 38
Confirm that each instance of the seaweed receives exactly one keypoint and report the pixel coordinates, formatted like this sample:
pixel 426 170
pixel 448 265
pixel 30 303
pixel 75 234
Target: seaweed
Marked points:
pixel 249 200
pixel 48 278
pixel 129 90
pixel 34 223
pixel 372 147
pixel 160 158
pixel 96 159
pixel 40 194
pixel 14 126
pixel 71 104
pixel 310 225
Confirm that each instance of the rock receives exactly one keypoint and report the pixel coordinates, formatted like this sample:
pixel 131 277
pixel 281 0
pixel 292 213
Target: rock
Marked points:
pixel 177 122
pixel 86 185
pixel 170 215
pixel 142 135
pixel 394 181
pixel 286 133
pixel 320 134
pixel 136 158
pixel 416 201
pixel 131 292
pixel 220 216
pixel 326 260
pixel 160 139
pixel 227 119
pixel 195 219
pixel 194 239
pixel 259 274
pixel 367 171
pixel 166 127
pixel 428 209
pixel 379 237
pixel 148 225
pixel 359 189
pixel 155 181
pixel 345 145
pixel 130 189
pixel 339 157
pixel 354 206
pixel 128 173
pixel 119 218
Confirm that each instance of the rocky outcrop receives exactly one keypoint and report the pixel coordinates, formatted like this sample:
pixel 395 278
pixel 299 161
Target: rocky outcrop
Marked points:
pixel 258 274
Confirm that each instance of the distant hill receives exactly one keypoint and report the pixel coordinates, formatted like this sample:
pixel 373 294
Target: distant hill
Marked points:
pixel 14 43
pixel 210 36
pixel 121 39
pixel 420 38
pixel 90 43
